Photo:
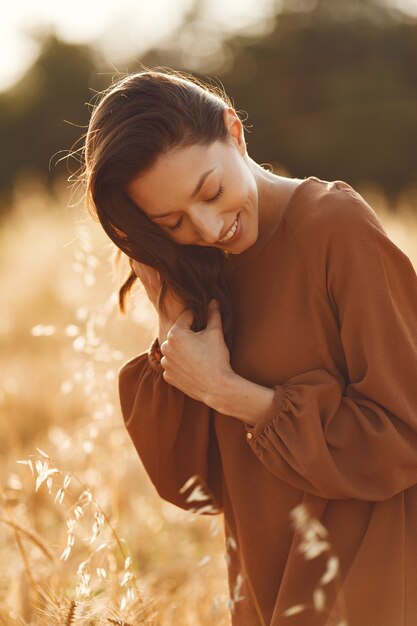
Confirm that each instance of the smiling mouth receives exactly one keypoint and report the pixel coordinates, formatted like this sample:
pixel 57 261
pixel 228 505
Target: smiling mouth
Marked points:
pixel 231 232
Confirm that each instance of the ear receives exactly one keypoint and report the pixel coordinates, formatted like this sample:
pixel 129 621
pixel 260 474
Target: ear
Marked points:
pixel 235 128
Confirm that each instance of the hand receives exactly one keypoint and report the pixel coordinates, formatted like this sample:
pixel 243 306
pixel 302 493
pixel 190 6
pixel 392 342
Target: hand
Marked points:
pixel 151 280
pixel 197 363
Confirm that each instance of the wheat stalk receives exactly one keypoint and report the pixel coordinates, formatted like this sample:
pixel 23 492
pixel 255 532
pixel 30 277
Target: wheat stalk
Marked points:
pixel 19 542
pixel 71 613
pixel 32 536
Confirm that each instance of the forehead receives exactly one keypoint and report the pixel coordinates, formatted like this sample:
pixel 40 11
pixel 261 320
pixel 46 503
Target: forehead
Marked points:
pixel 174 176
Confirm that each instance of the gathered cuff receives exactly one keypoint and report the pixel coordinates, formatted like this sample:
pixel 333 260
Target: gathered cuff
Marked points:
pixel 253 431
pixel 155 355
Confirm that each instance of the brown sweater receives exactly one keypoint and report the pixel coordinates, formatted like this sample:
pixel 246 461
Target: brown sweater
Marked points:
pixel 327 316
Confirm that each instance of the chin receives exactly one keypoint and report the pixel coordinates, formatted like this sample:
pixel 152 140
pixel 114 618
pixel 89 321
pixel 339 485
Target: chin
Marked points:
pixel 246 246
pixel 251 239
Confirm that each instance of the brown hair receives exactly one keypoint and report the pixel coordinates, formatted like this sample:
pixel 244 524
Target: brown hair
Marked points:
pixel 140 117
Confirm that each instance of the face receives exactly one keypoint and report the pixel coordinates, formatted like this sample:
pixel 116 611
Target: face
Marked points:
pixel 203 195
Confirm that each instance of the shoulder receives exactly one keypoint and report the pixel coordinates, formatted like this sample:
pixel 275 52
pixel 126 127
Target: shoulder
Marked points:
pixel 327 209
pixel 344 244
pixel 339 236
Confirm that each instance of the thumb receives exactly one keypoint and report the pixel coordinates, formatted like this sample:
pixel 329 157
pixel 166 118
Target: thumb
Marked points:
pixel 215 318
pixel 185 320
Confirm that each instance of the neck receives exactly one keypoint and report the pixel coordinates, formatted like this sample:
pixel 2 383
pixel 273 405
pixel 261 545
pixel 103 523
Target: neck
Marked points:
pixel 273 194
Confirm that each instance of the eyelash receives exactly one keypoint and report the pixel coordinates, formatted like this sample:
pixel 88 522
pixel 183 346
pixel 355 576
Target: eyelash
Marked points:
pixel 216 197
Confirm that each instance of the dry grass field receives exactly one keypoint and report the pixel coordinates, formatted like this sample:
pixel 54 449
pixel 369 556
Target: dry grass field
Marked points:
pixel 84 538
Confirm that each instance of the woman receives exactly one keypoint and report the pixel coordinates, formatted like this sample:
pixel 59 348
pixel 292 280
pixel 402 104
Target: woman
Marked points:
pixel 282 385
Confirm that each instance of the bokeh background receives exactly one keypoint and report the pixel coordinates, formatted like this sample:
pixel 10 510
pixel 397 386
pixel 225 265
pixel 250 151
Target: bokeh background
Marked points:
pixel 327 88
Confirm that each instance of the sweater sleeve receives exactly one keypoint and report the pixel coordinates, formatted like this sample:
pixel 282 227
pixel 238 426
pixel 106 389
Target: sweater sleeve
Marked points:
pixel 354 438
pixel 173 435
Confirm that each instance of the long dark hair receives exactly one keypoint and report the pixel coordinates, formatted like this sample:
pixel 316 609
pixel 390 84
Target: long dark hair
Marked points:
pixel 137 119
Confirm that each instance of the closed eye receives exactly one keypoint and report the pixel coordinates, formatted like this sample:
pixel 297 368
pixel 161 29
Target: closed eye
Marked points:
pixel 177 225
pixel 218 194
pixel 216 197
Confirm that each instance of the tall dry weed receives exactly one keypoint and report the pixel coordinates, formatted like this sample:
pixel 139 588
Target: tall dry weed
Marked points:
pixel 65 512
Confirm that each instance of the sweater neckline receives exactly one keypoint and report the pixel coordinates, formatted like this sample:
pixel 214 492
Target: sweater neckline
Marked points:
pixel 237 259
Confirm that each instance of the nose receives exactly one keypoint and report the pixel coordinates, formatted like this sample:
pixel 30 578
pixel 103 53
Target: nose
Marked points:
pixel 209 224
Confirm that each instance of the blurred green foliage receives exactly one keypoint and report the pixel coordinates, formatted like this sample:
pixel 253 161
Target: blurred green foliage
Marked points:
pixel 44 113
pixel 334 97
pixel 330 91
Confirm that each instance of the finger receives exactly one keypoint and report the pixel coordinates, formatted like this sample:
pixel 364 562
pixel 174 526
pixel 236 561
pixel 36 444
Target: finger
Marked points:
pixel 185 320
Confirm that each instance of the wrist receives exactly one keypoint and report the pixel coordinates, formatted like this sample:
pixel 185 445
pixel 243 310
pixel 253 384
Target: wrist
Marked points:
pixel 243 399
pixel 220 391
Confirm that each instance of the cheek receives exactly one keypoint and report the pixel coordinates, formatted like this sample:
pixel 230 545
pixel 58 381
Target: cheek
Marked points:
pixel 244 193
pixel 247 186
pixel 248 196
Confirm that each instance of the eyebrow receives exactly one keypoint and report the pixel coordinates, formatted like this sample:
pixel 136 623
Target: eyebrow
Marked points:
pixel 195 192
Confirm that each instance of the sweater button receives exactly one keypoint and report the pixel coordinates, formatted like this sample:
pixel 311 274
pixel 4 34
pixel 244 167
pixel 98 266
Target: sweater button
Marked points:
pixel 249 435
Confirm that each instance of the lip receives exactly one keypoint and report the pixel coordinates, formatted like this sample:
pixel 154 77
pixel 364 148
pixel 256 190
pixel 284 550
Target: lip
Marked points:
pixel 237 232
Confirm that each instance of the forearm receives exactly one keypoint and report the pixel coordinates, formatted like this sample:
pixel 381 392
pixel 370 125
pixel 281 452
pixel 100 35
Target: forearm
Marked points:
pixel 243 399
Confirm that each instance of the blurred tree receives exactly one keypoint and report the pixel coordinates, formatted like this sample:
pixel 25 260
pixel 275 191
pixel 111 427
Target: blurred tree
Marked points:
pixel 330 91
pixel 43 115
pixel 330 87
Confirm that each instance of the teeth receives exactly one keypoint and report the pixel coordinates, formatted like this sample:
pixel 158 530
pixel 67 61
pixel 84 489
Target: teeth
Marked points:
pixel 231 232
